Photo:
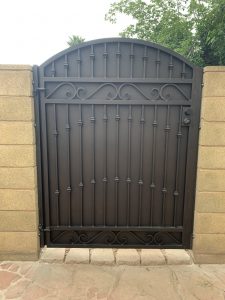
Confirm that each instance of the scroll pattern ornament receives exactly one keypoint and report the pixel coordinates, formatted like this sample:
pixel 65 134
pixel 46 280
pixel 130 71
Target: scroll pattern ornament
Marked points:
pixel 118 238
pixel 69 91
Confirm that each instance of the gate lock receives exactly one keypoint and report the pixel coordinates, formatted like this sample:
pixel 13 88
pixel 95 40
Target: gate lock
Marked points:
pixel 186 118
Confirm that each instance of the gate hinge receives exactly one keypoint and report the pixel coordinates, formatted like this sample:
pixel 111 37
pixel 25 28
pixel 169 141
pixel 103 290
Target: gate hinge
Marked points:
pixel 42 228
pixel 39 89
pixel 36 90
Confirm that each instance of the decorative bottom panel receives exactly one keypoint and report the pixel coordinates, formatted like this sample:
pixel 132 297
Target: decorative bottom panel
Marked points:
pixel 99 238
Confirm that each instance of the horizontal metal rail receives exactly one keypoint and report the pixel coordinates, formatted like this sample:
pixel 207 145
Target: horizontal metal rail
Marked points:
pixel 114 228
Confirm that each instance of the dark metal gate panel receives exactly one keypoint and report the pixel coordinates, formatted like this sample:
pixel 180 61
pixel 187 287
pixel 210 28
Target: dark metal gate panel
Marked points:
pixel 118 133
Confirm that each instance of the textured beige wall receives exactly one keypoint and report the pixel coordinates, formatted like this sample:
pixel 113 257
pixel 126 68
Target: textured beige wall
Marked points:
pixel 18 180
pixel 209 225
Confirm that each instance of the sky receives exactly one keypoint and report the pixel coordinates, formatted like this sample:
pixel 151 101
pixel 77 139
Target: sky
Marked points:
pixel 32 31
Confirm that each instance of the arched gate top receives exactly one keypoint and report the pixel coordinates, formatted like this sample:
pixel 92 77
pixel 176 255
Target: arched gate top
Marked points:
pixel 118 58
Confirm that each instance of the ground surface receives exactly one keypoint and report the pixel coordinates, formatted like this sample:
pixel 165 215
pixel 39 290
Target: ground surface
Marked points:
pixel 39 280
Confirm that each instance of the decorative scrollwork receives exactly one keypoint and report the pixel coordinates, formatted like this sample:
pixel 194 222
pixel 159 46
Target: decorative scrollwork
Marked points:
pixel 168 96
pixel 154 93
pixel 122 238
pixel 109 238
pixel 124 91
pixel 110 96
pixel 84 238
pixel 69 91
pixel 158 238
pixel 117 238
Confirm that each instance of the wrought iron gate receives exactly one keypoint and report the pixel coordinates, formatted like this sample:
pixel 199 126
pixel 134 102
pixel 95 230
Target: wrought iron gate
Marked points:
pixel 117 130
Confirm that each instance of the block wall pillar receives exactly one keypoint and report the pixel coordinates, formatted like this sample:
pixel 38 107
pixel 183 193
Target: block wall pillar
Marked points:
pixel 18 180
pixel 209 225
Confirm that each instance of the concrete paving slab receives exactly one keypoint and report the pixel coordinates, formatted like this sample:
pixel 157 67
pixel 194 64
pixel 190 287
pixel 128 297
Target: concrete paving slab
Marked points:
pixel 177 257
pixel 53 255
pixel 152 257
pixel 78 256
pixel 102 257
pixel 127 257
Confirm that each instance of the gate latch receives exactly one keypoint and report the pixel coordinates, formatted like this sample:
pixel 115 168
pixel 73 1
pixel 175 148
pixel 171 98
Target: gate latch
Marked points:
pixel 186 116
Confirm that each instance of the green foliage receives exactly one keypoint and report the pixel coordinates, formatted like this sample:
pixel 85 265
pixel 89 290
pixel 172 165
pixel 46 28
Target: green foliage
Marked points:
pixel 75 40
pixel 211 34
pixel 193 28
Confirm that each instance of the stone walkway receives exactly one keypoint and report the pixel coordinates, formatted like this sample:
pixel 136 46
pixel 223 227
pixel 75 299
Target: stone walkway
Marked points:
pixel 76 274
pixel 41 280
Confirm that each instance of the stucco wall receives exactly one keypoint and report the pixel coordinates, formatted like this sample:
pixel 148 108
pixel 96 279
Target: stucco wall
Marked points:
pixel 209 225
pixel 18 187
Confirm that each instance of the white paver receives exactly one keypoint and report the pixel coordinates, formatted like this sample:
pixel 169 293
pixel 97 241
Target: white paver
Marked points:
pixel 127 257
pixel 152 257
pixel 177 257
pixel 77 256
pixel 53 255
pixel 102 257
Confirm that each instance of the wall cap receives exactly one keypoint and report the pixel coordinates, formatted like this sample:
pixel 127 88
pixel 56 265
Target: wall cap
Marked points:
pixel 214 69
pixel 15 67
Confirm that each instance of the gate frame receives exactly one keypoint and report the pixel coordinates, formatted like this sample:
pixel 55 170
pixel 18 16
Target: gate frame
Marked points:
pixel 37 125
pixel 192 145
pixel 192 159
